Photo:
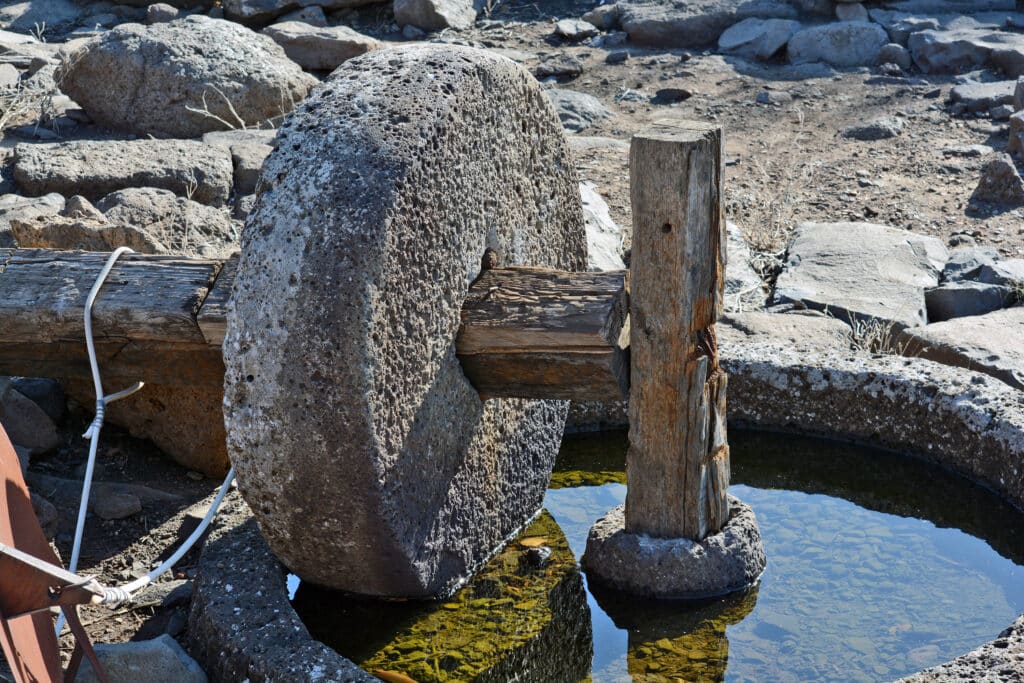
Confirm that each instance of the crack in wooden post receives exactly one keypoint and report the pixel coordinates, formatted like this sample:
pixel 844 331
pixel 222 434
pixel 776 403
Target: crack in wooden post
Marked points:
pixel 677 468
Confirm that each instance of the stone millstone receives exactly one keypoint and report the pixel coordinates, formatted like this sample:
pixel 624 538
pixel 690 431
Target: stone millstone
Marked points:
pixel 727 561
pixel 368 458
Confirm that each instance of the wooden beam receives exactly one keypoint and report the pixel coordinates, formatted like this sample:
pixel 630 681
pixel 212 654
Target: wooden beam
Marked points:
pixel 538 333
pixel 213 316
pixel 677 466
pixel 144 320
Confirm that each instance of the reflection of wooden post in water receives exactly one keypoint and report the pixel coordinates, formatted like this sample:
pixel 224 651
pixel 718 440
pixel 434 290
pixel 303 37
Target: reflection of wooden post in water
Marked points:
pixel 677 469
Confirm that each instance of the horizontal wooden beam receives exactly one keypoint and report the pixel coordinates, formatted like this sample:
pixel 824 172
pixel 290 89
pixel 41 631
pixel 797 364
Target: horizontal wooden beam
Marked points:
pixel 537 333
pixel 526 332
pixel 145 321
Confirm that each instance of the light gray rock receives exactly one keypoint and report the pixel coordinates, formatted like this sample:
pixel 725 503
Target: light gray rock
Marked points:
pixel 1000 182
pixel 1000 112
pixel 757 38
pixel 415 479
pixel 319 49
pixel 161 12
pixel 643 565
pixel 434 15
pixel 693 23
pixel 25 208
pixel 799 330
pixel 1015 145
pixel 146 661
pixel 774 97
pixel 257 11
pixel 960 299
pixel 248 160
pixel 230 138
pixel 604 236
pixel 1009 273
pixel 988 343
pixel 861 271
pixel 966 264
pixel 575 29
pixel 843 44
pixel 983 96
pixel 94 169
pixel 576 110
pixel 744 289
pixel 116 506
pixel 312 15
pixel 605 17
pixel 26 423
pixel 894 53
pixel 24 16
pixel 153 79
pixel 80 207
pixel 851 11
pixel 879 129
pixel 960 50
pixel 1018 94
pixel 952 6
pixel 560 65
pixel 180 225
pixel 9 76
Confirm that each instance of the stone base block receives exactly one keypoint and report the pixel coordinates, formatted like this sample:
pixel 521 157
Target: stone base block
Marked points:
pixel 730 560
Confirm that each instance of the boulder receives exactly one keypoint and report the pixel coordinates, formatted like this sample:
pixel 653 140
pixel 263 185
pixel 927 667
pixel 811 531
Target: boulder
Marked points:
pixel 434 15
pixel 146 661
pixel 757 38
pixel 319 48
pixel 881 128
pixel 576 110
pixel 962 50
pixel 893 53
pixel 952 6
pixel 1009 273
pixel 859 271
pixel 26 423
pixel 60 232
pixel 370 461
pixel 851 11
pixel 188 168
pixel 262 11
pixel 575 29
pixel 1000 183
pixel 960 299
pixel 560 65
pixel 798 330
pixel 604 17
pixel 26 15
pixel 185 422
pixel 843 44
pixel 183 78
pixel 693 23
pixel 45 393
pixel 604 237
pixel 966 264
pixel 181 225
pixel 988 343
pixel 312 15
pixel 25 208
pixel 160 13
pixel 977 97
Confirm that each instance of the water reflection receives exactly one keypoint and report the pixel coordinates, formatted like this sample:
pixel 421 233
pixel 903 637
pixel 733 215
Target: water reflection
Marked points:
pixel 514 618
pixel 673 640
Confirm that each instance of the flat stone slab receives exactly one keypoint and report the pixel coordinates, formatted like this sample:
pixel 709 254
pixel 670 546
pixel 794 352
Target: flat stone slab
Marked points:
pixel 805 329
pixel 959 50
pixel 693 23
pixel 95 169
pixel 862 271
pixel 991 343
pixel 369 459
pixel 727 561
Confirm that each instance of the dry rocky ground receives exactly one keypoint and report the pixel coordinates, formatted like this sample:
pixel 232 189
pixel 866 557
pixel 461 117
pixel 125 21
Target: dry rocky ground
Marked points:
pixel 899 118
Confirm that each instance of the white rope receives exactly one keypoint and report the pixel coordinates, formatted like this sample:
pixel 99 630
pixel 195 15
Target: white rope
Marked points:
pixel 118 595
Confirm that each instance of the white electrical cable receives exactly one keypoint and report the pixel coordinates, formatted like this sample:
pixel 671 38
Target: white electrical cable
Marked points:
pixel 118 595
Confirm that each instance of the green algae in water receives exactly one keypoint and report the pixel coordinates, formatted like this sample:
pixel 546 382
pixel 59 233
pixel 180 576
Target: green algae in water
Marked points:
pixel 870 572
pixel 507 621
pixel 878 566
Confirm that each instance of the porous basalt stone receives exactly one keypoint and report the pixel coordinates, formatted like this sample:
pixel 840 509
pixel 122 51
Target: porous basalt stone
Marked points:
pixel 158 78
pixel 368 458
pixel 727 561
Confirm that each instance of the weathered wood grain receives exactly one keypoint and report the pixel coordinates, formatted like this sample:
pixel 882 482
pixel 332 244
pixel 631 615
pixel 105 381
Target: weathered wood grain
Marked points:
pixel 677 467
pixel 144 319
pixel 538 333
pixel 212 317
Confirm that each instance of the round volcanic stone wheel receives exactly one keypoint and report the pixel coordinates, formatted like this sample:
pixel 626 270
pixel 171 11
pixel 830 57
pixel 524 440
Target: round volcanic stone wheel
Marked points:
pixel 365 454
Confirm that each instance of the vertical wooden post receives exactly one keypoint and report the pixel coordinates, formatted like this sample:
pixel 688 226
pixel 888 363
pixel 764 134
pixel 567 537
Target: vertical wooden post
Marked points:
pixel 677 468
